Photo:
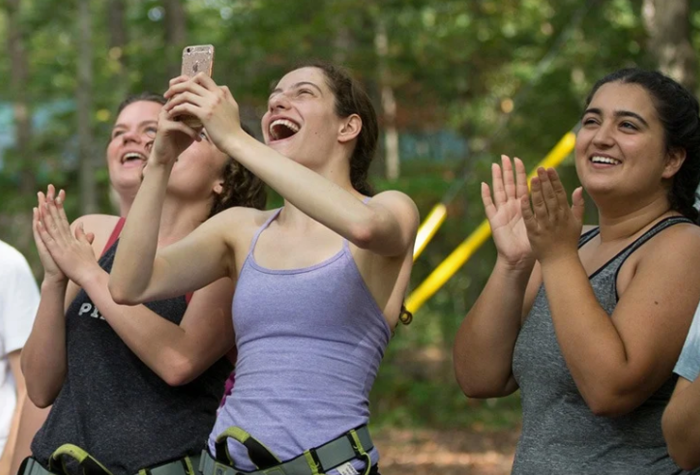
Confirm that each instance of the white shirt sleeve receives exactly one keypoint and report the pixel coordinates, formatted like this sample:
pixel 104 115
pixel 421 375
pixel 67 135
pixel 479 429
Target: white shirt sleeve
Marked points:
pixel 19 299
pixel 688 365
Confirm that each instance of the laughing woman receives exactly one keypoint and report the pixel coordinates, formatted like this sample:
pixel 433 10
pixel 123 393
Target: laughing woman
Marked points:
pixel 320 281
pixel 136 387
pixel 589 326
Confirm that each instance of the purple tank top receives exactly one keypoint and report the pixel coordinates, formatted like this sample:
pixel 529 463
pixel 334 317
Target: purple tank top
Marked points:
pixel 309 344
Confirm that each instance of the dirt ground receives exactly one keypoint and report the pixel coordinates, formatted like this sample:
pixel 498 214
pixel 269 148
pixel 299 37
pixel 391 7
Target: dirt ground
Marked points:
pixel 431 452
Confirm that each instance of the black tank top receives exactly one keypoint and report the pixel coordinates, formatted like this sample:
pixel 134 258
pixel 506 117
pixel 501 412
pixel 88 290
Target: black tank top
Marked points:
pixel 118 409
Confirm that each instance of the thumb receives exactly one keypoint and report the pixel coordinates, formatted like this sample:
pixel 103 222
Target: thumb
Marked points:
pixel 80 234
pixel 90 237
pixel 577 203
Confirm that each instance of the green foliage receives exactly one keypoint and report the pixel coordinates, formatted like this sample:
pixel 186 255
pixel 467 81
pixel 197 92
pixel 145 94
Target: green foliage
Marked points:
pixel 454 64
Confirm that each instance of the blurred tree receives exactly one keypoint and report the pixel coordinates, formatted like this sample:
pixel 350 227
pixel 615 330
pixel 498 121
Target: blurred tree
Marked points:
pixel 668 25
pixel 84 92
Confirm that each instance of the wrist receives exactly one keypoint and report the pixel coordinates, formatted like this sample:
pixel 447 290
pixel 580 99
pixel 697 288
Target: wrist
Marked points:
pixel 517 274
pixel 91 278
pixel 52 282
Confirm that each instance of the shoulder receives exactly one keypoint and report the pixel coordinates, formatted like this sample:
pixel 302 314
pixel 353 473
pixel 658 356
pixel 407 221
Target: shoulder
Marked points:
pixel 398 202
pixel 680 241
pixel 97 223
pixel 101 225
pixel 241 216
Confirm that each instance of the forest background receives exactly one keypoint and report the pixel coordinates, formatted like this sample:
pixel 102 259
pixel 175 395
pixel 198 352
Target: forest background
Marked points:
pixel 456 83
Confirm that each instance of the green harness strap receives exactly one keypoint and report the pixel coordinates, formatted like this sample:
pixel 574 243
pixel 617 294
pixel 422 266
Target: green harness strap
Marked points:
pixel 88 464
pixel 334 453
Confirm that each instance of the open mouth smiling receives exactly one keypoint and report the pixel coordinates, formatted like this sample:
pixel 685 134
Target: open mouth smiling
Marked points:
pixel 132 157
pixel 602 160
pixel 281 129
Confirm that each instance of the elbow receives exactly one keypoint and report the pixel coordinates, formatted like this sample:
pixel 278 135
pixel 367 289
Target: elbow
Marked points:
pixel 179 372
pixel 681 446
pixel 362 234
pixel 477 386
pixel 41 399
pixel 121 295
pixel 608 404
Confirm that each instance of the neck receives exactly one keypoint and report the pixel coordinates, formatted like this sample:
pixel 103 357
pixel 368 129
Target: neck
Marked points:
pixel 179 218
pixel 619 222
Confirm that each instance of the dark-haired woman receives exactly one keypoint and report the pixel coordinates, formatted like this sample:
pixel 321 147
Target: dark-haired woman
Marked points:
pixel 589 326
pixel 135 387
pixel 320 282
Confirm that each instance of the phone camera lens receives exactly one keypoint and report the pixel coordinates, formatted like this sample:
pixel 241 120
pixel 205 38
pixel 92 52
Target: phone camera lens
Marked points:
pixel 188 49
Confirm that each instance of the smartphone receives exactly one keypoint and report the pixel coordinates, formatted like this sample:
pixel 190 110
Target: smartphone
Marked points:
pixel 196 59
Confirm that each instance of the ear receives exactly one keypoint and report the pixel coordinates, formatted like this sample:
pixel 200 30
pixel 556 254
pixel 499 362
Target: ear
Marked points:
pixel 218 187
pixel 674 162
pixel 349 128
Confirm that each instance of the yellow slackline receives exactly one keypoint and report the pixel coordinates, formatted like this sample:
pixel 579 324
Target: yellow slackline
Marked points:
pixel 427 230
pixel 464 251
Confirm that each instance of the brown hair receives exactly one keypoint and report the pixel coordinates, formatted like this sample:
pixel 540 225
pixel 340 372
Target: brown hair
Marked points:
pixel 240 188
pixel 351 98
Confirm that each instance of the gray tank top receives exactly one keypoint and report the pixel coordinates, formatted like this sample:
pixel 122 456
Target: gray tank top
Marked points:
pixel 560 434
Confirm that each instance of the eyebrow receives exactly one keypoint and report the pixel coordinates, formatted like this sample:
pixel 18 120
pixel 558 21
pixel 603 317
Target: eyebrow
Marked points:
pixel 298 85
pixel 617 114
pixel 141 124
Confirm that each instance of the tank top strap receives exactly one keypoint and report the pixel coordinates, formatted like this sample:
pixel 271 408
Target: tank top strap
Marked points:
pixel 656 229
pixel 261 229
pixel 115 235
pixel 587 236
pixel 346 243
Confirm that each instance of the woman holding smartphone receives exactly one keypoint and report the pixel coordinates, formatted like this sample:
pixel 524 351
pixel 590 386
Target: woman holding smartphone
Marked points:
pixel 135 387
pixel 320 282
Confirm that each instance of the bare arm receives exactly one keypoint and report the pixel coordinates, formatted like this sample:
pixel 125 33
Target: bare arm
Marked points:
pixel 177 353
pixel 616 361
pixel 8 451
pixel 386 225
pixel 483 348
pixel 142 272
pixel 681 424
pixel 31 420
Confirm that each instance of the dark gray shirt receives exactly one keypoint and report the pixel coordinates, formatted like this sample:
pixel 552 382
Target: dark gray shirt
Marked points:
pixel 560 434
pixel 118 409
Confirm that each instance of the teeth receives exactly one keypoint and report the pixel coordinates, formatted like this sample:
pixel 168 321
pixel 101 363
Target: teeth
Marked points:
pixel 607 160
pixel 287 123
pixel 130 155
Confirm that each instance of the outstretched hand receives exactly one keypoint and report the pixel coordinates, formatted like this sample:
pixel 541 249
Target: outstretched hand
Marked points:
pixel 552 226
pixel 504 213
pixel 71 252
pixel 202 98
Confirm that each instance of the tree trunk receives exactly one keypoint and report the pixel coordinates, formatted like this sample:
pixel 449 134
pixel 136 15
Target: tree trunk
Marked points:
pixel 391 134
pixel 175 35
pixel 20 102
pixel 116 23
pixel 668 25
pixel 86 156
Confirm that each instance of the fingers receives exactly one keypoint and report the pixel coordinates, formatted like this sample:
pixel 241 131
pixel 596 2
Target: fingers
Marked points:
pixel 183 98
pixel 521 188
pixel 499 192
pixel 538 201
pixel 489 207
pixel 550 197
pixel 508 181
pixel 577 204
pixel 194 85
pixel 528 216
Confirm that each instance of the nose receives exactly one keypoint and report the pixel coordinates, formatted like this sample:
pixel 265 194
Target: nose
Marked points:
pixel 279 101
pixel 132 136
pixel 604 136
